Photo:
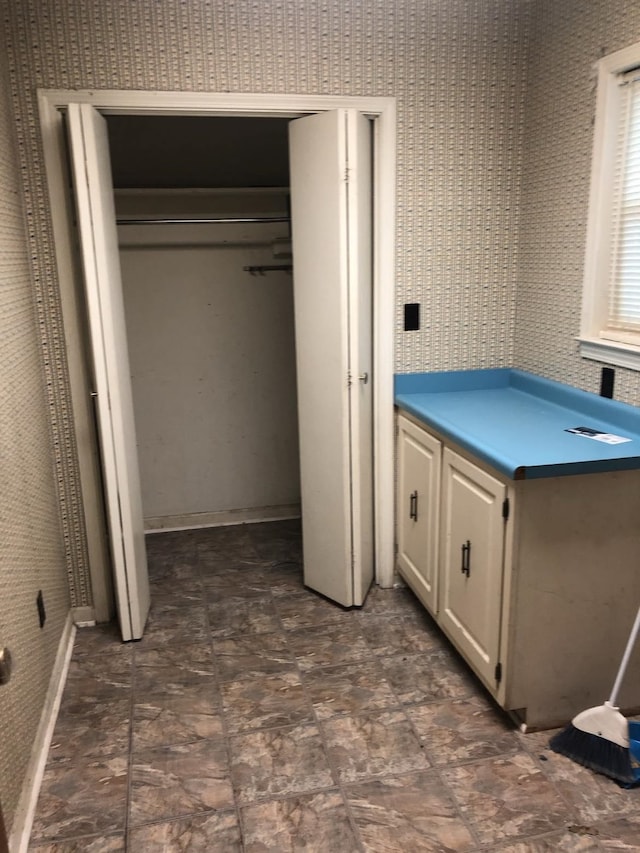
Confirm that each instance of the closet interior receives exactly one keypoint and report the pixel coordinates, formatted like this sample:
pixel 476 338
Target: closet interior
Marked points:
pixel 203 216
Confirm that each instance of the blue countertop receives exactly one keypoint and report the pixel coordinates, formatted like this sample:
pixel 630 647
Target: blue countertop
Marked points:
pixel 517 422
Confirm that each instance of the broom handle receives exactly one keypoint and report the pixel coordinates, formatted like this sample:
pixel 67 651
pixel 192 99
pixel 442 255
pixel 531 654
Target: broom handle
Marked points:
pixel 633 636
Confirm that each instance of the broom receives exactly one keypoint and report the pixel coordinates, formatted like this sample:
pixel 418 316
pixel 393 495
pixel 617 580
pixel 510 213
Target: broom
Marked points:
pixel 598 738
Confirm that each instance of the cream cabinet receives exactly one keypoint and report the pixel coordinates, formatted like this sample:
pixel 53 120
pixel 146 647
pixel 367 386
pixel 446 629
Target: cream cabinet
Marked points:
pixel 535 582
pixel 419 464
pixel 471 566
pixel 451 543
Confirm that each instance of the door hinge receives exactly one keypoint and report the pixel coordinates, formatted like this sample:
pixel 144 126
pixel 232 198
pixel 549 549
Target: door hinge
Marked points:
pixel 346 175
pixel 505 509
pixel 349 380
pixel 498 673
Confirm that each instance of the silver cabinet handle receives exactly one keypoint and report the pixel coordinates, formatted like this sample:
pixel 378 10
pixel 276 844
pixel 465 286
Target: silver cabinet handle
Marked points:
pixel 466 559
pixel 413 505
pixel 364 377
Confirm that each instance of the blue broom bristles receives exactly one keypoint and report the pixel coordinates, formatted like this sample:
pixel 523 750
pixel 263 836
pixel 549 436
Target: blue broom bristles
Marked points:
pixel 597 753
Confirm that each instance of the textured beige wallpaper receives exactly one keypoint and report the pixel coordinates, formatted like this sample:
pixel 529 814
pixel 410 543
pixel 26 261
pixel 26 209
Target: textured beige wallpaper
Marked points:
pixel 456 68
pixel 31 548
pixel 495 107
pixel 567 38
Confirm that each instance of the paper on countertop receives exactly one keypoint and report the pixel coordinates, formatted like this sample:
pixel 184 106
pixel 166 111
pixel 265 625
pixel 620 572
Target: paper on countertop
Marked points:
pixel 597 435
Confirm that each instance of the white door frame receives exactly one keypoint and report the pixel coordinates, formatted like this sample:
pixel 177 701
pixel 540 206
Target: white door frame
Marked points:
pixel 108 101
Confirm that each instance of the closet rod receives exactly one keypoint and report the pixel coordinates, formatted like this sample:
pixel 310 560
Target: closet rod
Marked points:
pixel 261 270
pixel 225 219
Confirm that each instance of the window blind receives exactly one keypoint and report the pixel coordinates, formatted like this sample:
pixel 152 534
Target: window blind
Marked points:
pixel 624 290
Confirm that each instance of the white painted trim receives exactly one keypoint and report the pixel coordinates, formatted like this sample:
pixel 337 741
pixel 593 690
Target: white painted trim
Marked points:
pixel 242 104
pixel 610 352
pixel 81 382
pixel 137 102
pixel 83 617
pixel 197 520
pixel 25 812
pixel 384 239
pixel 622 60
pixel 595 308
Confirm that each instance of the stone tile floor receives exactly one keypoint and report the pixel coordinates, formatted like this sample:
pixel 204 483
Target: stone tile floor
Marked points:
pixel 255 716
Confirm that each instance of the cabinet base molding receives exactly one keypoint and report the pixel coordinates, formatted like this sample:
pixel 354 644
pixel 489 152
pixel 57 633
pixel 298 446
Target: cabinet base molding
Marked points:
pixel 195 520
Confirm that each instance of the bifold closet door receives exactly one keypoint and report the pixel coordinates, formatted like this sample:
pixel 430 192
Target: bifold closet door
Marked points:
pixel 331 207
pixel 91 168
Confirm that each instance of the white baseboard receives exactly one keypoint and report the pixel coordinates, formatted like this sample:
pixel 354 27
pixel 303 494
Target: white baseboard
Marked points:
pixel 83 617
pixel 193 521
pixel 25 812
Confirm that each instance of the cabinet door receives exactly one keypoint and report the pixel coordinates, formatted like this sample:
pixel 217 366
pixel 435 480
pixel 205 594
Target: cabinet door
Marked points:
pixel 472 562
pixel 419 462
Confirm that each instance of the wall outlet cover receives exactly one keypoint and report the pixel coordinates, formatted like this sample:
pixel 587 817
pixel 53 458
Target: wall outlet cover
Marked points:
pixel 411 316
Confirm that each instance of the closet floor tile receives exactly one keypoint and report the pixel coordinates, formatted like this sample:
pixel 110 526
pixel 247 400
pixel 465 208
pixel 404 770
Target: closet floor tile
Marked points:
pixel 463 730
pixel 306 610
pixel 428 677
pixel 328 645
pixel 273 762
pixel 236 615
pixel 85 844
pixel 315 823
pixel 90 731
pixel 399 633
pixel 252 656
pixel 503 798
pixel 265 702
pixel 76 801
pixel 188 714
pixel 369 745
pixel 349 689
pixel 216 832
pixel 255 717
pixel 169 627
pixel 412 812
pixel 179 780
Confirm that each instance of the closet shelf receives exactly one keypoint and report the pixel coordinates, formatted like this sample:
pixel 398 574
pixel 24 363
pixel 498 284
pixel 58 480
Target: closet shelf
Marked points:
pixel 232 220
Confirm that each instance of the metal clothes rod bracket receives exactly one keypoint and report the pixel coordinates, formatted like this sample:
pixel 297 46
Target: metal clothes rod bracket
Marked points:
pixel 233 220
pixel 261 270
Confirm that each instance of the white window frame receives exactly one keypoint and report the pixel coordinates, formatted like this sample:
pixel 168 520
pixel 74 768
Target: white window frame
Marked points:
pixel 595 296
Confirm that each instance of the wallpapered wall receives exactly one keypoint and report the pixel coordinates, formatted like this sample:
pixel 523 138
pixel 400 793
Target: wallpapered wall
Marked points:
pixel 31 549
pixel 495 104
pixel 566 39
pixel 457 71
